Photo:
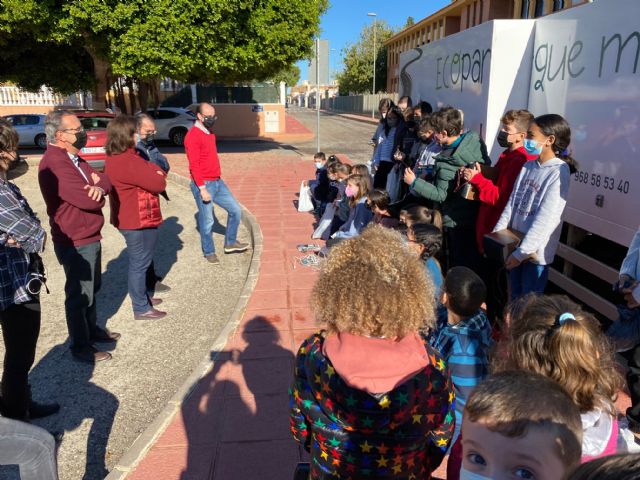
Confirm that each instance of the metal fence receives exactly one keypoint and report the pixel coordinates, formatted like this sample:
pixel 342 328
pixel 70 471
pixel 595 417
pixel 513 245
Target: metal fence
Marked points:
pixel 10 96
pixel 356 103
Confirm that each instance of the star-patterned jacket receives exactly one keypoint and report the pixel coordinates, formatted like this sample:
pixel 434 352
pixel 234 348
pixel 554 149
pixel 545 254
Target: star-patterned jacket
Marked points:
pixel 351 434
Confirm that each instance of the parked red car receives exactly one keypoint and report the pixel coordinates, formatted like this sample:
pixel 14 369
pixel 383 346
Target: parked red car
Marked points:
pixel 95 123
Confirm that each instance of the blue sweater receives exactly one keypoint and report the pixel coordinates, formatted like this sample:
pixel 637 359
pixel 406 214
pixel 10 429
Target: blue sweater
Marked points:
pixel 359 217
pixel 465 348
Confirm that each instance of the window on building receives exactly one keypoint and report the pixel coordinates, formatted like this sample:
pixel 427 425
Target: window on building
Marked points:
pixel 539 9
pixel 524 13
pixel 558 5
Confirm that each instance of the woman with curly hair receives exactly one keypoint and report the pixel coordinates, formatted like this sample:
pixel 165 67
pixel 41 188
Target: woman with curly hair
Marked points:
pixel 555 337
pixel 369 397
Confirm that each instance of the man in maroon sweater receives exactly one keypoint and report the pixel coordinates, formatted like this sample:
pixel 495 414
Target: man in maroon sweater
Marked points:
pixel 207 186
pixel 74 194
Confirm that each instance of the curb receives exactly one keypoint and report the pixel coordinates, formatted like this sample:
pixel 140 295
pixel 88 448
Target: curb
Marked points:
pixel 146 439
pixel 351 116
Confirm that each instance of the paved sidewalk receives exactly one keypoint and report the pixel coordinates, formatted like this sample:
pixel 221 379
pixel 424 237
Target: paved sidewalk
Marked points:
pixel 235 425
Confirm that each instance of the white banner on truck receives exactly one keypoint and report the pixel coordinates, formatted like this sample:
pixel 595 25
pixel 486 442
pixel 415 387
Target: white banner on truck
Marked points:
pixel 483 71
pixel 585 67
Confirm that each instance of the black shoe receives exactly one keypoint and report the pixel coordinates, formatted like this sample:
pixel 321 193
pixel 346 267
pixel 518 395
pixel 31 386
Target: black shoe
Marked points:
pixel 105 335
pixel 57 435
pixel 161 287
pixel 40 410
pixel 90 355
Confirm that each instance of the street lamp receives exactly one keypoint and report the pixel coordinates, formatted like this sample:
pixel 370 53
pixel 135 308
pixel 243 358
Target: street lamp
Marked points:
pixel 373 110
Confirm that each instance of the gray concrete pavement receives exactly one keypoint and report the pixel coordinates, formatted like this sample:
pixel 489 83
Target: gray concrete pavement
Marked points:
pixel 106 407
pixel 337 135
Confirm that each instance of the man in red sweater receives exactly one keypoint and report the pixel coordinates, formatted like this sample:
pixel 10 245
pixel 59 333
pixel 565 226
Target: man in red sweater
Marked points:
pixel 207 186
pixel 494 194
pixel 74 194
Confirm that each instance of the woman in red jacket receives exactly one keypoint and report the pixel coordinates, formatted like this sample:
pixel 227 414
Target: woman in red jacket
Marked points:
pixel 135 208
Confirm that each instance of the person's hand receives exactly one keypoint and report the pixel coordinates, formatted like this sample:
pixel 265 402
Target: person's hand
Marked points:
pixel 95 178
pixel 469 173
pixel 512 262
pixel 628 295
pixel 399 156
pixel 305 183
pixel 409 176
pixel 12 242
pixel 161 172
pixel 204 194
pixel 95 193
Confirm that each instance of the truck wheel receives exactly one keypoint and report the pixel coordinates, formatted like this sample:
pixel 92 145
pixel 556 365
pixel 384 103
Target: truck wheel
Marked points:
pixel 177 136
pixel 41 141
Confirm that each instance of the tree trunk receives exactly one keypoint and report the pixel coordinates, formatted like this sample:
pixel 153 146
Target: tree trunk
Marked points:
pixel 132 94
pixel 102 73
pixel 121 101
pixel 143 94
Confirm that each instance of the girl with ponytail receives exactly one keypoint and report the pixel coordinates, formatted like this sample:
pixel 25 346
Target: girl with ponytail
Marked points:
pixel 536 204
pixel 553 336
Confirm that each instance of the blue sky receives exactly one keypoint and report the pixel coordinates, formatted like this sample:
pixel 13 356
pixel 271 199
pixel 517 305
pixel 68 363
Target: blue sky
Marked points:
pixel 345 19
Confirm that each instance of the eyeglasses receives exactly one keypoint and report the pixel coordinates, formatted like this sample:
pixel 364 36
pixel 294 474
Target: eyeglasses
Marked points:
pixel 73 130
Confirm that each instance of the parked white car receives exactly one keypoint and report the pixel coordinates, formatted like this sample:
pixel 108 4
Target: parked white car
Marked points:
pixel 172 123
pixel 30 128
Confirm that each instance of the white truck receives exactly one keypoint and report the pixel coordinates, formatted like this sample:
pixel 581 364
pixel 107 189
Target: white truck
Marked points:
pixel 582 63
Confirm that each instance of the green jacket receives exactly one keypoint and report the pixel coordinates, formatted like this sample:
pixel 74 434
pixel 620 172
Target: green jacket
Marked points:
pixel 456 211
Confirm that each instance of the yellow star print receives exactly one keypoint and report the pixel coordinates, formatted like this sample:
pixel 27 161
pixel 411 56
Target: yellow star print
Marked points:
pixel 366 447
pixel 385 402
pixel 442 442
pixel 417 418
pixel 330 371
pixel 440 364
pixel 324 455
pixel 397 469
pixel 382 462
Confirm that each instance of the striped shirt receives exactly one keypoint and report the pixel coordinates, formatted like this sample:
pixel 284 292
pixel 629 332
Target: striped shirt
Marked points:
pixel 384 149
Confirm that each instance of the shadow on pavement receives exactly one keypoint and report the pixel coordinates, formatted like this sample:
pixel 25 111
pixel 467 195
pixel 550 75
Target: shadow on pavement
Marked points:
pixel 220 409
pixel 59 378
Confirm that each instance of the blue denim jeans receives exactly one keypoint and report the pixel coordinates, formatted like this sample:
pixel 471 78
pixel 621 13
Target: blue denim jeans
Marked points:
pixel 528 278
pixel 30 447
pixel 221 196
pixel 140 247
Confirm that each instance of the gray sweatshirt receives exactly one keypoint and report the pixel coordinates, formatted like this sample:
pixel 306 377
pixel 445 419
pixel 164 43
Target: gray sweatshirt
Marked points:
pixel 535 208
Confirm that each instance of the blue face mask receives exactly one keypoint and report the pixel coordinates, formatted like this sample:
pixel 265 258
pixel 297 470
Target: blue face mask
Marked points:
pixel 531 146
pixel 467 475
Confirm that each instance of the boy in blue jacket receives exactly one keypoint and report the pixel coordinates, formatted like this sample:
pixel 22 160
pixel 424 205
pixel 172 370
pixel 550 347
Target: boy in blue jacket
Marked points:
pixel 465 339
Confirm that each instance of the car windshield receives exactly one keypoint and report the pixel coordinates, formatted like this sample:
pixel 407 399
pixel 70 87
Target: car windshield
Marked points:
pixel 95 123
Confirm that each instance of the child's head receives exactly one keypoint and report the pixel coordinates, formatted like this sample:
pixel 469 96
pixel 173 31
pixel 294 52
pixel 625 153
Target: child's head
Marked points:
pixel 612 467
pixel 520 425
pixel 420 214
pixel 425 108
pixel 332 160
pixel 550 136
pixel 553 336
pixel 425 239
pixel 426 128
pixel 360 169
pixel 405 102
pixel 399 298
pixel 464 292
pixel 320 159
pixel 358 186
pixel 513 128
pixel 448 124
pixel 384 106
pixel 379 201
pixel 343 170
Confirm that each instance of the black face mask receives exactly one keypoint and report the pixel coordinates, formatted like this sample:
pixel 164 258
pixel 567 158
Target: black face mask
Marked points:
pixel 503 139
pixel 209 121
pixel 81 140
pixel 13 163
pixel 148 139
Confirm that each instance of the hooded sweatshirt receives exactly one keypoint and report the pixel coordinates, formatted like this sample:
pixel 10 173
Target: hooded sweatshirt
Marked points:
pixel 535 208
pixel 370 407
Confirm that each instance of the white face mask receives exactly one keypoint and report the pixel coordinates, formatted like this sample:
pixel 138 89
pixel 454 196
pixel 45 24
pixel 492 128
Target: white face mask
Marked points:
pixel 319 165
pixel 467 475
